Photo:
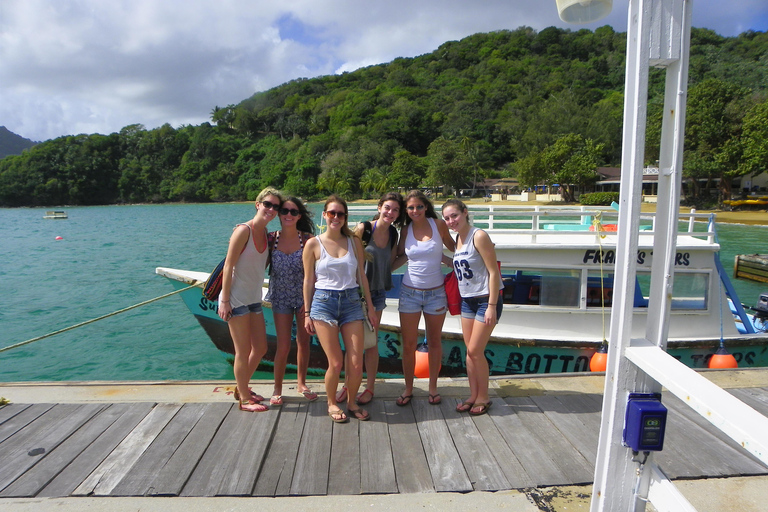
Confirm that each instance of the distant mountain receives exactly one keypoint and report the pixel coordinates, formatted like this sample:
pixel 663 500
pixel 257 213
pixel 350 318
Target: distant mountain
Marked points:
pixel 12 144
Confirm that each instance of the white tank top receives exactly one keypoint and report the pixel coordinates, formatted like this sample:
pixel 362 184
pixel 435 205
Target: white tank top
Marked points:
pixel 336 273
pixel 248 274
pixel 470 269
pixel 424 259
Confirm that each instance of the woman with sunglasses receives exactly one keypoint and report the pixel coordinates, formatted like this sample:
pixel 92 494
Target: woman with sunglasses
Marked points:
pixel 474 263
pixel 380 239
pixel 286 278
pixel 332 263
pixel 422 290
pixel 240 297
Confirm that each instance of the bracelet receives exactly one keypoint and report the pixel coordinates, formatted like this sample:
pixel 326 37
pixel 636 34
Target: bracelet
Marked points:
pixel 306 314
pixel 491 304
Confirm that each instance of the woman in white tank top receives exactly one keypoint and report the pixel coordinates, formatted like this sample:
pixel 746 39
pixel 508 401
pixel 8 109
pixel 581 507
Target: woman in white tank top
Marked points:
pixel 474 263
pixel 422 290
pixel 332 263
pixel 240 297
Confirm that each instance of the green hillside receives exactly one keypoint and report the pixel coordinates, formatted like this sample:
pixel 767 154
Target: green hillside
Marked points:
pixel 509 103
pixel 12 144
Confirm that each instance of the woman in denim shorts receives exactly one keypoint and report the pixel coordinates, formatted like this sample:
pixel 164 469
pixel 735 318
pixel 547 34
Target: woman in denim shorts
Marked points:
pixel 422 290
pixel 332 263
pixel 285 293
pixel 380 241
pixel 477 272
pixel 240 297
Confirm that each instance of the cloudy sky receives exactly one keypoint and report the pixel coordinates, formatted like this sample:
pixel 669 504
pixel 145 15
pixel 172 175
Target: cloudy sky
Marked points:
pixel 95 66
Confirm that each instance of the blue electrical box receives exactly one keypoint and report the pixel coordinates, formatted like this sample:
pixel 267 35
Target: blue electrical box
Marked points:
pixel 645 422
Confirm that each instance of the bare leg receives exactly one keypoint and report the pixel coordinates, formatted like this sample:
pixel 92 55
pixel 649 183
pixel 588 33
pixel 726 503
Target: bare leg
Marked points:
pixel 302 353
pixel 329 339
pixel 352 333
pixel 409 327
pixel 434 325
pixel 283 324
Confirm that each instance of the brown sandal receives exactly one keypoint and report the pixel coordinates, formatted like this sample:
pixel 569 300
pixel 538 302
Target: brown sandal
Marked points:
pixel 342 418
pixel 360 414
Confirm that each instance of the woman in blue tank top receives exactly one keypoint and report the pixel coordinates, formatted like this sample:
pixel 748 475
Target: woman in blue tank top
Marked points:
pixel 474 263
pixel 285 293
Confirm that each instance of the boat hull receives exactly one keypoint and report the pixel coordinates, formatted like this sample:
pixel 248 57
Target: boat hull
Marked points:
pixel 506 356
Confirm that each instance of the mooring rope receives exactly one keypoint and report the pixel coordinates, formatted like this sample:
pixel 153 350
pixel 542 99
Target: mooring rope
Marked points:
pixel 598 225
pixel 96 319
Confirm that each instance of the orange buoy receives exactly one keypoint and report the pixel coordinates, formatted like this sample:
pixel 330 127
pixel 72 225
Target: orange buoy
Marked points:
pixel 59 238
pixel 599 360
pixel 722 359
pixel 421 371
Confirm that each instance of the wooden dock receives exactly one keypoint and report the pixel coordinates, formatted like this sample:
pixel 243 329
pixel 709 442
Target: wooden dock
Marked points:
pixel 751 266
pixel 213 449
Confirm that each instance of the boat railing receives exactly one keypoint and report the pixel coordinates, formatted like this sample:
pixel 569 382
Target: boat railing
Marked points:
pixel 587 221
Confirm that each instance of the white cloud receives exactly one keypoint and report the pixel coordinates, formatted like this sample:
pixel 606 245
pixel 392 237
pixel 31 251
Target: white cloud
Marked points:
pixel 85 66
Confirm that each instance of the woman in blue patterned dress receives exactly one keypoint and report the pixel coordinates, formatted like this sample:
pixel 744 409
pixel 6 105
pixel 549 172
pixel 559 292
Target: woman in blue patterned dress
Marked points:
pixel 285 294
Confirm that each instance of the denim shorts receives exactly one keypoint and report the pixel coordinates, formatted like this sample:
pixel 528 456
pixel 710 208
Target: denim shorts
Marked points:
pixel 379 299
pixel 244 310
pixel 474 307
pixel 431 302
pixel 336 307
pixel 285 310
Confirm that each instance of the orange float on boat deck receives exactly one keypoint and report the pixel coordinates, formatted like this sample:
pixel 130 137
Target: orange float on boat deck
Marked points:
pixel 605 227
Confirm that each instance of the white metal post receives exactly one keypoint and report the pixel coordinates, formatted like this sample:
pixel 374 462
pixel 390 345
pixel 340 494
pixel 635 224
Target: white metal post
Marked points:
pixel 619 484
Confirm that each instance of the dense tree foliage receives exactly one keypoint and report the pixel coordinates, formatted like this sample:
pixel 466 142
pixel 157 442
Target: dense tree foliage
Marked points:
pixel 485 106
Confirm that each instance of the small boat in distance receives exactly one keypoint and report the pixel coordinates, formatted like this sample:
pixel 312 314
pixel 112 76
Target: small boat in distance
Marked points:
pixel 55 214
pixel 557 265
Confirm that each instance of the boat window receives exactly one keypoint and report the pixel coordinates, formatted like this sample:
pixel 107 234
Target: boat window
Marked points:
pixel 599 291
pixel 688 292
pixel 541 287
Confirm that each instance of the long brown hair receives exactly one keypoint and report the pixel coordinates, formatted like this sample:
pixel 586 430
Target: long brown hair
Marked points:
pixel 398 197
pixel 418 194
pixel 333 198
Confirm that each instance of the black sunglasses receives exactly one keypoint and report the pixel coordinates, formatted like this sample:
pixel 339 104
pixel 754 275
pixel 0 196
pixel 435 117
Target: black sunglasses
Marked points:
pixel 292 211
pixel 270 205
pixel 333 214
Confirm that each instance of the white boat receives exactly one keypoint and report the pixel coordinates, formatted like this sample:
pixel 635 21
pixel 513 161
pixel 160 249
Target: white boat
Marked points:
pixel 55 214
pixel 557 265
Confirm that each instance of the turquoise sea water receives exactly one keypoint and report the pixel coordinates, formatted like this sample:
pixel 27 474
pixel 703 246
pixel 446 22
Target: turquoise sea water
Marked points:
pixel 106 260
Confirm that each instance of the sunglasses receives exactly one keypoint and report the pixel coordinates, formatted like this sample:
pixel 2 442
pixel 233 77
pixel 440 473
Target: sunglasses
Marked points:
pixel 292 211
pixel 270 205
pixel 417 207
pixel 334 215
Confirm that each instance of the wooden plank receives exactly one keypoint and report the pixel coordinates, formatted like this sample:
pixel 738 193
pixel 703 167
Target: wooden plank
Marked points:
pixel 756 398
pixel 527 447
pixel 410 461
pixel 377 466
pixel 22 419
pixel 481 466
pixel 448 472
pixel 214 466
pixel 567 417
pixel 313 459
pixel 250 456
pixel 231 463
pixel 748 464
pixel 505 457
pixel 31 444
pixel 177 470
pixel 113 469
pixel 73 475
pixel 277 472
pixel 141 476
pixel 32 481
pixel 344 476
pixel 10 410
pixel 573 464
